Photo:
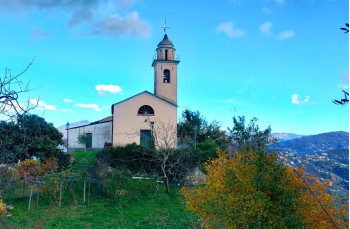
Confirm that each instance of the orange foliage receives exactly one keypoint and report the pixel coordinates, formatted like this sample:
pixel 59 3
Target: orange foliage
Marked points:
pixel 50 165
pixel 320 212
pixel 3 209
pixel 30 170
pixel 250 189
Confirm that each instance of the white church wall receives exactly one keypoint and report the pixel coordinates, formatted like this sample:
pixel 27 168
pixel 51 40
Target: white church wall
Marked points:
pixel 101 133
pixel 127 123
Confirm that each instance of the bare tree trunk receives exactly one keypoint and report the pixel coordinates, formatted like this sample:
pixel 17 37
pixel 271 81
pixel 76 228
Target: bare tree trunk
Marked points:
pixel 167 185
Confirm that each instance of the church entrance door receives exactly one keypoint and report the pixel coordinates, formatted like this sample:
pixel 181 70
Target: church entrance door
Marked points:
pixel 146 138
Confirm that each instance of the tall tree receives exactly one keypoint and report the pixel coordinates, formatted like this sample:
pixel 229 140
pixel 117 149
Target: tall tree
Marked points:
pixel 194 128
pixel 29 135
pixel 249 136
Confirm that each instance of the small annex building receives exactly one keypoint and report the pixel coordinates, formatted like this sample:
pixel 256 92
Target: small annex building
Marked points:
pixel 143 117
pixel 98 134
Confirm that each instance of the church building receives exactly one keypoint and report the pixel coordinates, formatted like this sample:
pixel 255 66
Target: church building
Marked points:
pixel 143 117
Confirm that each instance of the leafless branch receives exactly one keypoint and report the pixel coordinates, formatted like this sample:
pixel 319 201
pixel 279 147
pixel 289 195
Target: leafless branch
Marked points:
pixel 10 89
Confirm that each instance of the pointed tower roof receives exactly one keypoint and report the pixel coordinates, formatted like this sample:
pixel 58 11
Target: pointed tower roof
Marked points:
pixel 165 43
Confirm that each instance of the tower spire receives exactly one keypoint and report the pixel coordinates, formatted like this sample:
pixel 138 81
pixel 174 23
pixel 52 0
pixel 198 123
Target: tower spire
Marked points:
pixel 164 27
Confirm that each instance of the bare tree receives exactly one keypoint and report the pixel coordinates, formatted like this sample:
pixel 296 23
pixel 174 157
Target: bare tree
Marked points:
pixel 164 135
pixel 11 107
pixel 174 163
pixel 11 87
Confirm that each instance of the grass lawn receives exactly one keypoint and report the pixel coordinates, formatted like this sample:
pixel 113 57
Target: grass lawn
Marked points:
pixel 141 204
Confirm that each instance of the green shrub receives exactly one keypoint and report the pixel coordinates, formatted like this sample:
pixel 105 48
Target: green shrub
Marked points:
pixel 170 164
pixel 205 151
pixel 133 157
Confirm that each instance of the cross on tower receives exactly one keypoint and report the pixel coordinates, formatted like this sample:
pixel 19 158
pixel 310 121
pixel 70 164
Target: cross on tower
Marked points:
pixel 164 27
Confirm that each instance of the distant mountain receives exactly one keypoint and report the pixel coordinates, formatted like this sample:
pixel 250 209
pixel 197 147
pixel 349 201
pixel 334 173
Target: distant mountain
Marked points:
pixel 281 137
pixel 324 155
pixel 63 130
pixel 315 143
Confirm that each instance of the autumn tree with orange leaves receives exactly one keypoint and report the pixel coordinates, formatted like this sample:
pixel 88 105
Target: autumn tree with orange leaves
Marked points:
pixel 319 208
pixel 251 189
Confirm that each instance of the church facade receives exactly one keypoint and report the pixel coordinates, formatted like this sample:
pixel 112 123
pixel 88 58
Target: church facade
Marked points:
pixel 145 118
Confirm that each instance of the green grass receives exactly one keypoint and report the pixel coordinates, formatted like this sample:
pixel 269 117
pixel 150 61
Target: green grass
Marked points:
pixel 142 204
pixel 154 209
pixel 87 158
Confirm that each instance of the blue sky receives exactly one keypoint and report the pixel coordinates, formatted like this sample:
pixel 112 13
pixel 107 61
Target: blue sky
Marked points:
pixel 282 61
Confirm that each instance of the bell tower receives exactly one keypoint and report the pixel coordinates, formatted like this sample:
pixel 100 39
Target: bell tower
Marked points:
pixel 165 70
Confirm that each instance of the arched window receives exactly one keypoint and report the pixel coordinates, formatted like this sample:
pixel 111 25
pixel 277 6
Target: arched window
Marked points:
pixel 145 110
pixel 166 54
pixel 166 76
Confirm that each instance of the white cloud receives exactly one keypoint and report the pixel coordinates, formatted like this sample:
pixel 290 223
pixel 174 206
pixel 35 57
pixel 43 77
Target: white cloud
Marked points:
pixel 89 106
pixel 36 102
pixel 67 100
pixel 50 107
pixel 266 28
pixel 229 29
pixel 285 35
pixel 41 105
pixel 298 101
pixel 295 99
pixel 101 88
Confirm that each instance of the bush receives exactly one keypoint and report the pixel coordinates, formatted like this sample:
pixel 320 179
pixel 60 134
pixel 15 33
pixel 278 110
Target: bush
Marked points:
pixel 206 151
pixel 133 157
pixel 250 189
pixel 172 165
pixel 63 160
